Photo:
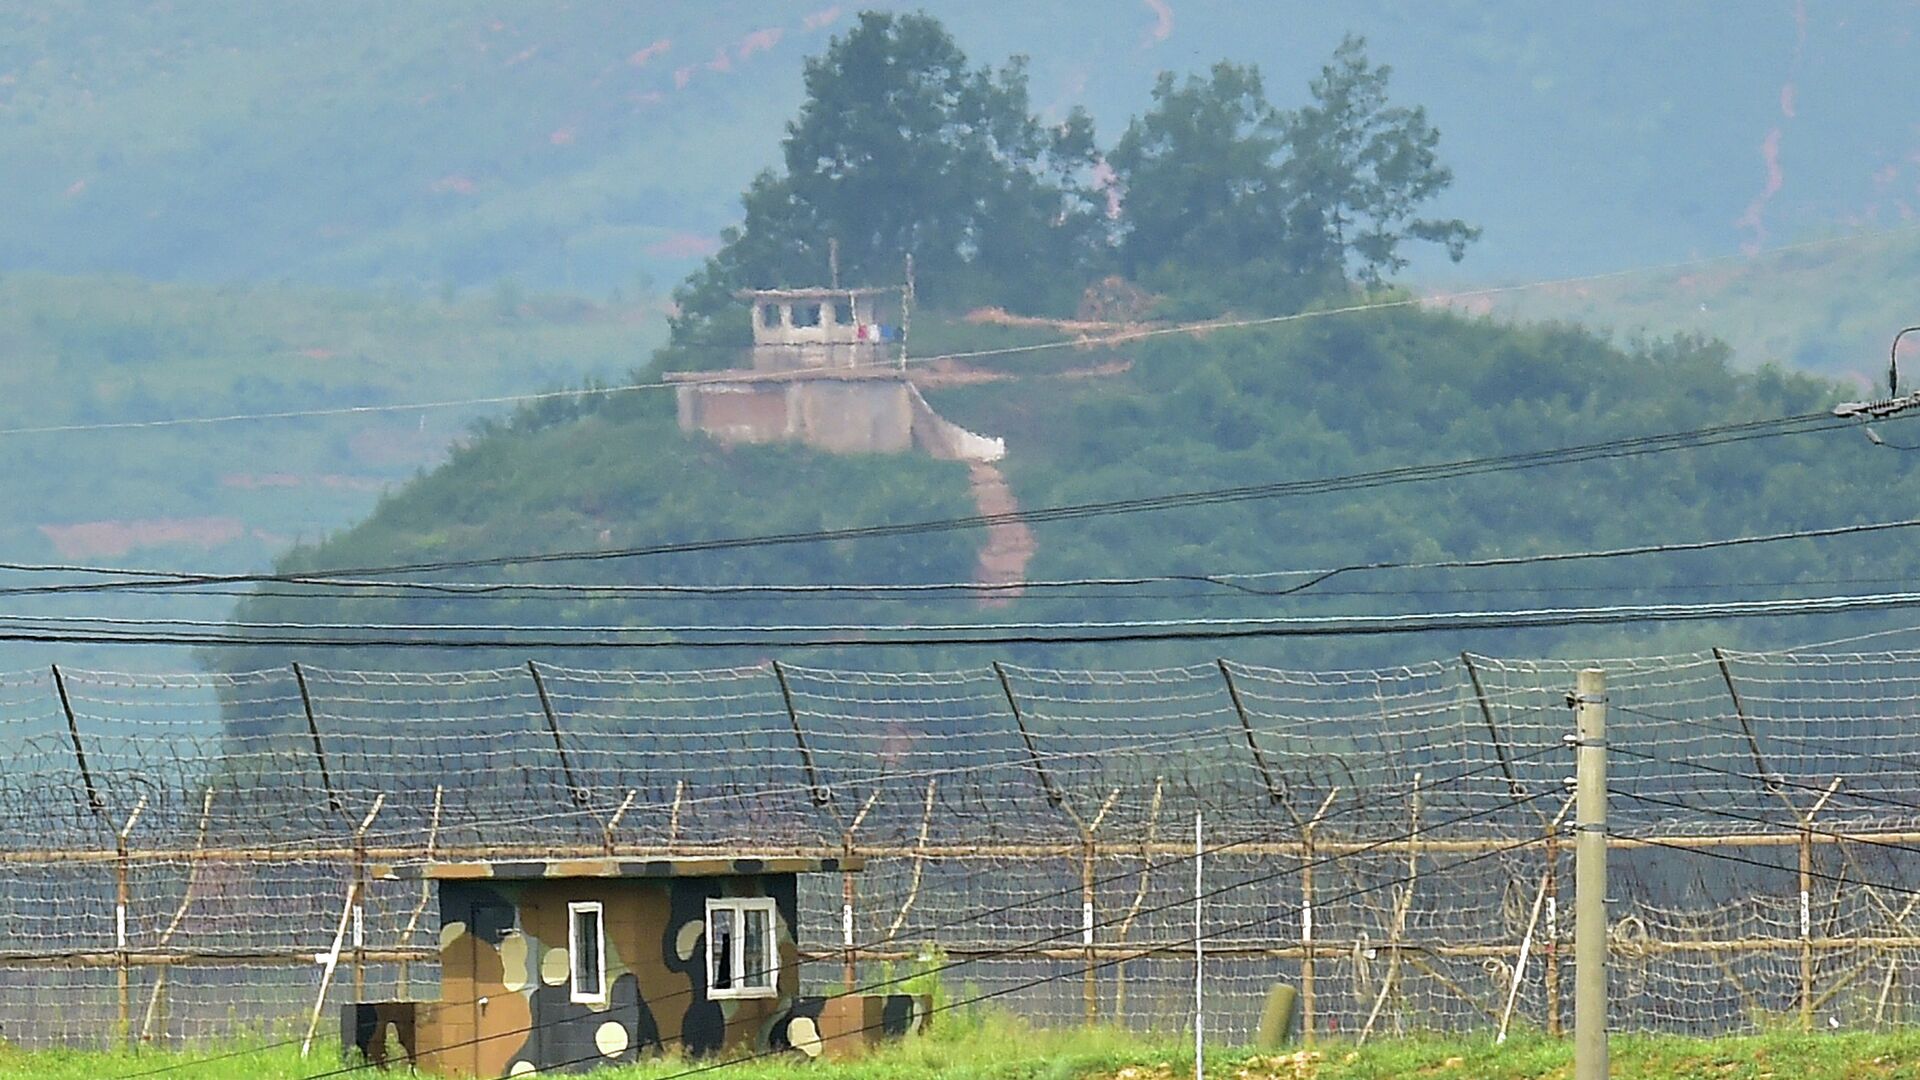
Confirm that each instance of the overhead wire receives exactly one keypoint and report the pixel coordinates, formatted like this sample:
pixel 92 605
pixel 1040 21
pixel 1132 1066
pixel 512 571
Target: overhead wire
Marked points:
pixel 1196 327
pixel 1867 839
pixel 1774 736
pixel 1090 632
pixel 587 591
pixel 1717 435
pixel 1767 782
pixel 1235 581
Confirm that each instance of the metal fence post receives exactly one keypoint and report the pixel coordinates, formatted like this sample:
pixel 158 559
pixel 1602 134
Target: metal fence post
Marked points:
pixel 94 800
pixel 821 795
pixel 1052 790
pixel 1274 794
pixel 575 791
pixel 313 732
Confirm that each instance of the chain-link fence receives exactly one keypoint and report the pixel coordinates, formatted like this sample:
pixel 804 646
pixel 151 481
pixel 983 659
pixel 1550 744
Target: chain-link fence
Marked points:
pixel 179 854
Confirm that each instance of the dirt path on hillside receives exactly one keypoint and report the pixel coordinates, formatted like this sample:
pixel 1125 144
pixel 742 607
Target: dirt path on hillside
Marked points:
pixel 1010 545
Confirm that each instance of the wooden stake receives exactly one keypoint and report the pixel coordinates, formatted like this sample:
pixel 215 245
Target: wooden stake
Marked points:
pixel 919 864
pixel 1306 919
pixel 426 889
pixel 1399 923
pixel 1551 946
pixel 1139 897
pixel 122 897
pixel 613 823
pixel 179 913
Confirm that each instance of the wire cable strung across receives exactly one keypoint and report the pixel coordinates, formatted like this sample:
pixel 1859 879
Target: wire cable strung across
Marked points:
pixel 108 631
pixel 1236 582
pixel 1178 329
pixel 1718 435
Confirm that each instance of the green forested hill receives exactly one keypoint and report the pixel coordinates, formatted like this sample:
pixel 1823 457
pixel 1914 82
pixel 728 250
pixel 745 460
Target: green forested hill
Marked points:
pixel 87 361
pixel 446 144
pixel 1321 397
pixel 1828 305
pixel 102 378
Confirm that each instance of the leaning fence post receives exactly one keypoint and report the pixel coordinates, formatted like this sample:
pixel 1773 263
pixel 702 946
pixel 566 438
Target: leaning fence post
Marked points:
pixel 1307 966
pixel 1139 897
pixel 1514 787
pixel 313 732
pixel 1089 863
pixel 1398 926
pixel 1768 779
pixel 122 894
pixel 94 801
pixel 821 796
pixel 1054 798
pixel 1551 947
pixel 613 823
pixel 1540 902
pixel 1590 877
pixel 850 958
pixel 426 893
pixel 179 914
pixel 577 793
pixel 1199 954
pixel 360 899
pixel 1771 782
pixel 1246 729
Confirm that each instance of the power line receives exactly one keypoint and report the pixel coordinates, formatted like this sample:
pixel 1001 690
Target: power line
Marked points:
pixel 790 637
pixel 592 592
pixel 1765 781
pixel 1793 827
pixel 1774 736
pixel 1201 327
pixel 1235 581
pixel 1074 626
pixel 1724 434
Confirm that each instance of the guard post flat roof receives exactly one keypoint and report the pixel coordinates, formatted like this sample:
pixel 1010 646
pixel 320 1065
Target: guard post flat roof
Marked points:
pixel 668 867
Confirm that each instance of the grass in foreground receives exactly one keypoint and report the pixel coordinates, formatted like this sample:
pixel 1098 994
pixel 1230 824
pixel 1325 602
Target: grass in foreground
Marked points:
pixel 1002 1048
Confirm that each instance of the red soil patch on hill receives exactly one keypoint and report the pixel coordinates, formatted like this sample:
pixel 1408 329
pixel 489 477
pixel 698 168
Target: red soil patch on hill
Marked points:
pixel 94 539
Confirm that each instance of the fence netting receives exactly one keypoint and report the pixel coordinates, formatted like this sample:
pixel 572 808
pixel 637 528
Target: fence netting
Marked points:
pixel 178 852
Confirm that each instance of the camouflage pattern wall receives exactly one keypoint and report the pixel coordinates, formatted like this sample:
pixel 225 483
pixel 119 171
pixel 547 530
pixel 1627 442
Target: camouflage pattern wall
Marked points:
pixel 505 973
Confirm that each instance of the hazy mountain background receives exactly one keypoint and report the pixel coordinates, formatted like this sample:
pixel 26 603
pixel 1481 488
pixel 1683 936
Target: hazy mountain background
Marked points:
pixel 219 207
pixel 582 145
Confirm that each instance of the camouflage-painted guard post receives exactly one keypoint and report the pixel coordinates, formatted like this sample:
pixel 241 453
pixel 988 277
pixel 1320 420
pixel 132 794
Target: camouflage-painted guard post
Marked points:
pixel 564 964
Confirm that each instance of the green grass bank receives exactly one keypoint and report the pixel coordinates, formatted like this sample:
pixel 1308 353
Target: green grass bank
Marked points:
pixel 1005 1049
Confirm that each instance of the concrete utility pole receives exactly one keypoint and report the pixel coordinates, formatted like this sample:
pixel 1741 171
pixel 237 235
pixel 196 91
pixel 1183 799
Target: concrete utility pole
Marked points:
pixel 1590 877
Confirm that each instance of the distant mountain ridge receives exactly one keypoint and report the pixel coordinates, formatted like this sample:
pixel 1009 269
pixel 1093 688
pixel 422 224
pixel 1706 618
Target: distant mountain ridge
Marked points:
pixel 583 145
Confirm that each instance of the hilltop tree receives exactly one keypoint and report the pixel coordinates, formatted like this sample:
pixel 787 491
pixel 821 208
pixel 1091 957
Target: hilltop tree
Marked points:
pixel 1269 206
pixel 900 147
pixel 1201 176
pixel 1357 171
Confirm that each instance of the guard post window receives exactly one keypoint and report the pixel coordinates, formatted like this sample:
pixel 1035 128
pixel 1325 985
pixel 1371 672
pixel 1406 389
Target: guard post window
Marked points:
pixel 741 954
pixel 586 943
